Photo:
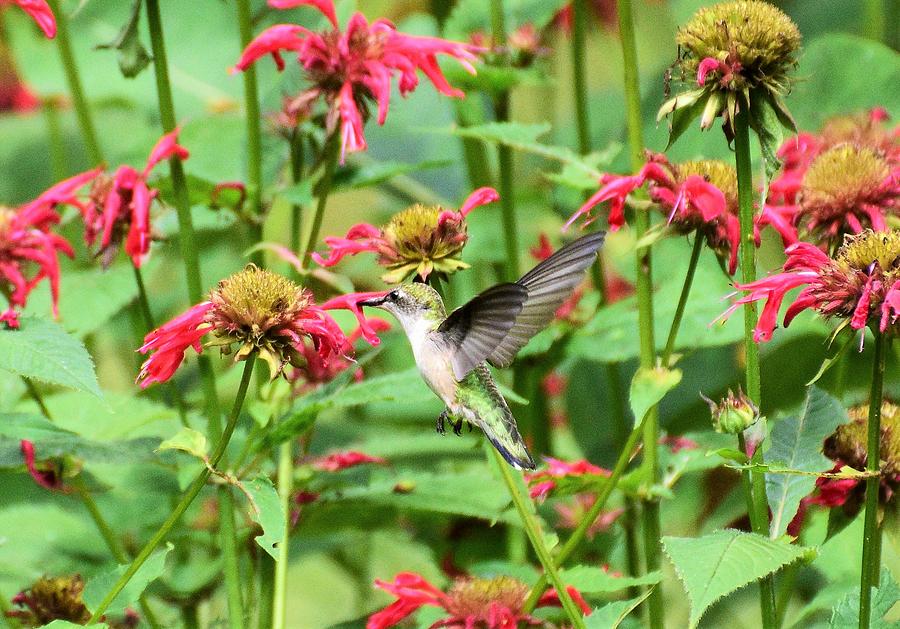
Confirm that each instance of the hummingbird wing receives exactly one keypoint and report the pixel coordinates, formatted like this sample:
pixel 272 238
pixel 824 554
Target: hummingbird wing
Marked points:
pixel 475 329
pixel 497 323
pixel 548 284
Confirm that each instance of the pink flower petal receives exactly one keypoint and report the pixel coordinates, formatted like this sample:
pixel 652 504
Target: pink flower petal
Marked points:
pixel 325 6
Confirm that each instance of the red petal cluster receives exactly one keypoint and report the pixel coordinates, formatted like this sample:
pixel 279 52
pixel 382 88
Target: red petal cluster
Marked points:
pixel 40 11
pixel 352 67
pixel 542 482
pixel 337 461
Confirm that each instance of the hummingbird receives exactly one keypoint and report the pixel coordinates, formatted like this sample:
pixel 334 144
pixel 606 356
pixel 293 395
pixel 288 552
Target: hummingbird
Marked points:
pixel 452 351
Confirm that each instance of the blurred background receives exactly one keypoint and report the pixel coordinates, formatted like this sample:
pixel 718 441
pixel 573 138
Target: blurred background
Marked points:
pixel 363 530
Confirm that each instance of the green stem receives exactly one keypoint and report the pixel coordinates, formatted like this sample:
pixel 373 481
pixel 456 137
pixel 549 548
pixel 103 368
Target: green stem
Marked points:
pixel 82 111
pixel 871 557
pixel 297 159
pixel 785 591
pixel 254 135
pixel 189 616
pixel 699 239
pixel 535 536
pixel 115 547
pixel 189 495
pixel 644 290
pixel 186 236
pixel 579 83
pixel 505 156
pixel 230 565
pixel 874 20
pixel 35 395
pixel 285 489
pixel 56 145
pixel 475 154
pixel 330 157
pixel 266 571
pixel 581 530
pixel 755 485
pixel 150 324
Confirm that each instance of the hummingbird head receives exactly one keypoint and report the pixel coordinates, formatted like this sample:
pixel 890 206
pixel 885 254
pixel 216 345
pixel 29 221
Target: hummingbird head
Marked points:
pixel 411 304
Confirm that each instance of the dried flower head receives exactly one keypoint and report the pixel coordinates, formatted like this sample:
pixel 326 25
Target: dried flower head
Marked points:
pixel 352 68
pixel 495 603
pixel 257 311
pixel 696 196
pixel 733 414
pixel 49 599
pixel 415 242
pixel 739 54
pixel 847 446
pixel 859 284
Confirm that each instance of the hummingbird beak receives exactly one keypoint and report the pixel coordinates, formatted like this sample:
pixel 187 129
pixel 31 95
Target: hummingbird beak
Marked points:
pixel 373 302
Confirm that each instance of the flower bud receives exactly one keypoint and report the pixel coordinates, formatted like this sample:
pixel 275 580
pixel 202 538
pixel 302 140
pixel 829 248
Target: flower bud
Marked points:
pixel 734 414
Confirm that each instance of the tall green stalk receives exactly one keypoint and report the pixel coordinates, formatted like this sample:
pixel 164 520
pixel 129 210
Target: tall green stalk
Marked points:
pixel 329 159
pixel 754 482
pixel 82 111
pixel 644 291
pixel 186 237
pixel 230 564
pixel 297 159
pixel 626 453
pixel 56 145
pixel 579 82
pixel 254 135
pixel 285 488
pixel 871 554
pixel 535 536
pixel 189 495
pixel 505 157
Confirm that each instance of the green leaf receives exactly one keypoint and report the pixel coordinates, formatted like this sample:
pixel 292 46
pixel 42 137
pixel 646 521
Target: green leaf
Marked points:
pixel 133 57
pixel 648 387
pixel 838 343
pixel 717 564
pixel 611 615
pixel 65 624
pixel 845 614
pixel 96 588
pixel 266 510
pixel 590 579
pixel 187 440
pixel 684 108
pixel 42 350
pixel 474 493
pixel 51 441
pixel 766 122
pixel 469 16
pixel 405 385
pixel 300 193
pixel 374 173
pixel 796 443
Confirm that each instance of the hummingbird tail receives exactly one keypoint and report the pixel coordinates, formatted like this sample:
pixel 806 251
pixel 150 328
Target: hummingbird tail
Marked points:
pixel 519 457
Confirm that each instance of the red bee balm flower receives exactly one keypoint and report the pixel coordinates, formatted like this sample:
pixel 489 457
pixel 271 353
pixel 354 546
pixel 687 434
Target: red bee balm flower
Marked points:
pixel 40 11
pixel 338 461
pixel 119 206
pixel 351 68
pixel 696 196
pixel 470 602
pixel 840 182
pixel 26 242
pixel 256 309
pixel 415 242
pixel 860 283
pixel 542 482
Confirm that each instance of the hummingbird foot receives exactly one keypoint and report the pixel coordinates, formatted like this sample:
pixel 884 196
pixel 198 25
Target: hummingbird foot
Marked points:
pixel 457 427
pixel 442 418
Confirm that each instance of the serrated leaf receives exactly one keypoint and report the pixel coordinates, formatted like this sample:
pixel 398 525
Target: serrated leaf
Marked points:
pixel 766 122
pixel 796 443
pixel 96 588
pixel 266 510
pixel 611 615
pixel 648 387
pixel 132 55
pixel 845 614
pixel 187 440
pixel 590 579
pixel 42 350
pixel 715 565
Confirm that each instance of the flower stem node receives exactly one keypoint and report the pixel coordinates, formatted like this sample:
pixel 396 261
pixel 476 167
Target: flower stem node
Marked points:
pixel 733 414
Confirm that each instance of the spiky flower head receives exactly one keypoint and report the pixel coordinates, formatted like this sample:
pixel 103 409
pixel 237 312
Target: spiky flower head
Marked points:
pixel 254 310
pixel 848 443
pixel 860 283
pixel 49 599
pixel 739 56
pixel 733 414
pixel 415 243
